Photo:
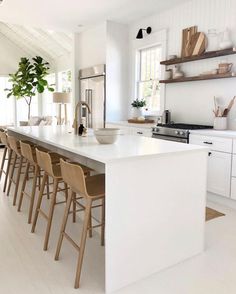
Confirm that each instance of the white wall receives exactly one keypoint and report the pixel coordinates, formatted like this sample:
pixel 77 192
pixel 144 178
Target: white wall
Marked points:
pixel 106 43
pixel 92 46
pixel 192 102
pixel 117 57
pixel 10 56
pixel 89 48
pixel 64 62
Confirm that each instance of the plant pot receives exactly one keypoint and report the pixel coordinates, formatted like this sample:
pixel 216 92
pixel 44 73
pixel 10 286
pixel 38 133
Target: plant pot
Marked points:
pixel 136 112
pixel 220 123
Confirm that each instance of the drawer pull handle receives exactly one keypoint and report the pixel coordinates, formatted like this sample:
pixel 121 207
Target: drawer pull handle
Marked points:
pixel 208 143
pixel 209 153
pixel 140 133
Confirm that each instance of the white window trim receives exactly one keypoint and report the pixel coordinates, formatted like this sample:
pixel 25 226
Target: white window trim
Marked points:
pixel 155 39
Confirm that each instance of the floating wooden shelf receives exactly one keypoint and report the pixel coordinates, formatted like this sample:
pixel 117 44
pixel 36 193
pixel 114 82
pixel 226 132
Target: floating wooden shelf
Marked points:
pixel 146 121
pixel 206 55
pixel 199 78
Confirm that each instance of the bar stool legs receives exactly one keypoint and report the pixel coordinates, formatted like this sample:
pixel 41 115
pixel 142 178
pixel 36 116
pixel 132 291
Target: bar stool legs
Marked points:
pixel 63 234
pixel 51 212
pixel 103 223
pixel 17 181
pixel 23 185
pixel 13 166
pixel 8 168
pixel 83 242
pixel 40 198
pixel 3 161
pixel 33 192
pixel 64 222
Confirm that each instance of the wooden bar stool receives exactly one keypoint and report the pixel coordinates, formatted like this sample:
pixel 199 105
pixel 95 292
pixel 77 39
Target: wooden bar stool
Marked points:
pixel 16 156
pixel 28 152
pixel 45 161
pixel 8 151
pixel 91 188
pixel 4 158
pixel 52 170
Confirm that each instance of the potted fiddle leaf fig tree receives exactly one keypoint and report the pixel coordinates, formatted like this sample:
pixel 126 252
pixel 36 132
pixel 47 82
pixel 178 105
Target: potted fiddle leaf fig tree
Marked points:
pixel 29 79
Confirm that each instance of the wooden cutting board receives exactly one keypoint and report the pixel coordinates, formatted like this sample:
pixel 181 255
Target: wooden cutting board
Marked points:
pixel 197 44
pixel 186 38
pixel 146 121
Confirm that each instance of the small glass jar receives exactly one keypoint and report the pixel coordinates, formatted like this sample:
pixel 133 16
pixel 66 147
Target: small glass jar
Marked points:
pixel 212 40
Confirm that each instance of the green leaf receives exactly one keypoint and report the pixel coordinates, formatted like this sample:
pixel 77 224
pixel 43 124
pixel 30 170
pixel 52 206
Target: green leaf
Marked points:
pixel 43 82
pixel 40 88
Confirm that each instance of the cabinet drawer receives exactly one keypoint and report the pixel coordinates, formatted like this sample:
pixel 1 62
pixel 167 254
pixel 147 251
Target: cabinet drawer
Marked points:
pixel 214 143
pixel 142 132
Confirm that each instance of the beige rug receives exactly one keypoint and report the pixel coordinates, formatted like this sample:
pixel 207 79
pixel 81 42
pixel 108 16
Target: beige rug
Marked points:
pixel 211 214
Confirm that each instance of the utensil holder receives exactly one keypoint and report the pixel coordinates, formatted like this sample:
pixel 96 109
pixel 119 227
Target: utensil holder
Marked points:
pixel 220 123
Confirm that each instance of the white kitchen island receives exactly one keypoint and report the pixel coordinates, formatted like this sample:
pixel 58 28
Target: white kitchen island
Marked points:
pixel 155 198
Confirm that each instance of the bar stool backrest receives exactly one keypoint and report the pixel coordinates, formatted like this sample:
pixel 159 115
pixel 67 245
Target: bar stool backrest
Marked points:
pixel 13 144
pixel 44 161
pixel 4 139
pixel 1 132
pixel 26 151
pixel 73 175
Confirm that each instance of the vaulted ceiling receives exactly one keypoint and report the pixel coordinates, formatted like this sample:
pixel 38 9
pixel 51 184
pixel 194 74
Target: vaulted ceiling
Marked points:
pixel 69 14
pixel 48 44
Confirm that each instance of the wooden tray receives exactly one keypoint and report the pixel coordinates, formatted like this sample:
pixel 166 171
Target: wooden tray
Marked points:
pixel 136 121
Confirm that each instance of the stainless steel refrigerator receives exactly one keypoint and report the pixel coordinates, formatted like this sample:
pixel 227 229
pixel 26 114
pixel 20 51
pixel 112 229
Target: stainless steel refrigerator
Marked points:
pixel 93 92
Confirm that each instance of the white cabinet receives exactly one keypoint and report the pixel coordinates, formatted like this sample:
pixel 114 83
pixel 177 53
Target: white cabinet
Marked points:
pixel 219 173
pixel 214 143
pixel 219 164
pixel 142 132
pixel 130 130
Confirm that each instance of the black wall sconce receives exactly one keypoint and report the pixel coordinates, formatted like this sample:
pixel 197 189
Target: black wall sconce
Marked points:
pixel 140 32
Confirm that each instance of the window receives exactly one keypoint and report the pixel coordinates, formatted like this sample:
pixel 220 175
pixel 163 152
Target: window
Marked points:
pixel 65 85
pixel 7 105
pixel 64 81
pixel 48 107
pixel 149 76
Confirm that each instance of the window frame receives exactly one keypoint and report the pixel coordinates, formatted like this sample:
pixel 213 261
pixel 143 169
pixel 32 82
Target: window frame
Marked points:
pixel 155 39
pixel 139 74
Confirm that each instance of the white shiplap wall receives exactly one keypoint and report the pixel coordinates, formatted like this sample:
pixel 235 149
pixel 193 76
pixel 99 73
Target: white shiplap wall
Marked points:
pixel 193 102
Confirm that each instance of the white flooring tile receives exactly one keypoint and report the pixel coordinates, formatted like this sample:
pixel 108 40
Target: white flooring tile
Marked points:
pixel 26 269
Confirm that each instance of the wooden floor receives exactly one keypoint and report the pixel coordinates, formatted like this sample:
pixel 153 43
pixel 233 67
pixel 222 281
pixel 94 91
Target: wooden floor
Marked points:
pixel 26 269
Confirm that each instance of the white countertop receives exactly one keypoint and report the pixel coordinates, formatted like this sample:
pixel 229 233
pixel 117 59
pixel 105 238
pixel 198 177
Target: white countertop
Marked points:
pixel 133 125
pixel 215 133
pixel 126 146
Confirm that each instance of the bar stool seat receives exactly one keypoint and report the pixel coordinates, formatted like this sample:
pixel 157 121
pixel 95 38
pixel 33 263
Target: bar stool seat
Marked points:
pixel 91 188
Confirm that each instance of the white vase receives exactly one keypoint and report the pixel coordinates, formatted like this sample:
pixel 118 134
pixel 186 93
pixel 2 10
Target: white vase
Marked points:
pixel 220 123
pixel 136 112
pixel 226 42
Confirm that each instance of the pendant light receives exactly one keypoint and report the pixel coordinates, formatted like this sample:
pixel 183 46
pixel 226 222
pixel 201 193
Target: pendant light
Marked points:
pixel 140 32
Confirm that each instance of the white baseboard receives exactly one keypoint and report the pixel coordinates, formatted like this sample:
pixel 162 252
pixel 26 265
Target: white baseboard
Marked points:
pixel 221 200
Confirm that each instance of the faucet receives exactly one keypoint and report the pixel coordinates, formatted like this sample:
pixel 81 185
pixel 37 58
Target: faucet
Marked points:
pixel 77 108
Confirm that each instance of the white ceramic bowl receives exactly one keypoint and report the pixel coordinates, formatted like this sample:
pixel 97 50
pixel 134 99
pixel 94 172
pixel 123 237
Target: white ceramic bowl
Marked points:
pixel 107 135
